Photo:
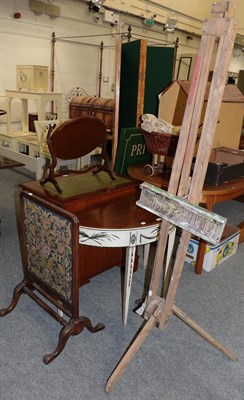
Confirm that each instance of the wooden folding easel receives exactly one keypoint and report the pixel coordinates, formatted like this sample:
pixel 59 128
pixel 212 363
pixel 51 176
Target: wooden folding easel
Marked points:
pixel 220 29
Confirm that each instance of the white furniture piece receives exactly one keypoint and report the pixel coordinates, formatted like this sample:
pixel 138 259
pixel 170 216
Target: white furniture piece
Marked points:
pixel 41 99
pixel 12 141
pixel 32 77
pixel 32 164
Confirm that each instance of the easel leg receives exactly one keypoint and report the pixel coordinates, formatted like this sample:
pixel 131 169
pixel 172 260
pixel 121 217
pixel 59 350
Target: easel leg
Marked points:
pixel 210 339
pixel 156 313
pixel 139 340
pixel 159 312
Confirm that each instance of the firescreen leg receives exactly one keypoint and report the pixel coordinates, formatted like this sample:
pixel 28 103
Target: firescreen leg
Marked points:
pixel 18 291
pixel 71 329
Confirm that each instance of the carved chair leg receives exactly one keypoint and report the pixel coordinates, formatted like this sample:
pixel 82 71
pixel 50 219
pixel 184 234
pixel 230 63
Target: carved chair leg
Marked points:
pixel 18 291
pixel 99 167
pixel 53 181
pixel 71 329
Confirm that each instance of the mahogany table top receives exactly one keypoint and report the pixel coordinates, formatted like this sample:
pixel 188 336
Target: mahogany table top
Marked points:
pixel 211 194
pixel 121 213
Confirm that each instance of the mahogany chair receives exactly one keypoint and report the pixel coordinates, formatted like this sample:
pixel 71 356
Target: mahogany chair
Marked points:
pixel 74 139
pixel 49 248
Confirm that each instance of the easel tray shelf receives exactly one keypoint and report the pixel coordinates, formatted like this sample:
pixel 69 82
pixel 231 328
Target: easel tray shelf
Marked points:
pixel 195 219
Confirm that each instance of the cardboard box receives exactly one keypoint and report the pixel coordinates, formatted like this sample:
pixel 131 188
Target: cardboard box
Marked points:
pixel 215 255
pixel 32 77
pixel 225 164
pixel 172 103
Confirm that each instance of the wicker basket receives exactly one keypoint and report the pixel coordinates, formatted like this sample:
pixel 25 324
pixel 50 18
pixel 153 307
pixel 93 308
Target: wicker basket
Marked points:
pixel 163 144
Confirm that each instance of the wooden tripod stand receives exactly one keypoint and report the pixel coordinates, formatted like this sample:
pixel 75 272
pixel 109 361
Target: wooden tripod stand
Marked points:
pixel 222 27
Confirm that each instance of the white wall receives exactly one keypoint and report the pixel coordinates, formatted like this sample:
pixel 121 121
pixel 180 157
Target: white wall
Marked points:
pixel 27 41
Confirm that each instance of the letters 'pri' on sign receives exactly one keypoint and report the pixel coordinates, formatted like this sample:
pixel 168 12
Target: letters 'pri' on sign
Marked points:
pixel 131 150
pixel 194 219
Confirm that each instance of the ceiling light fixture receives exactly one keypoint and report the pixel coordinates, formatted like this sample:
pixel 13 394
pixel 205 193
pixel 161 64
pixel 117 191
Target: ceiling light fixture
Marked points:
pixel 94 5
pixel 170 24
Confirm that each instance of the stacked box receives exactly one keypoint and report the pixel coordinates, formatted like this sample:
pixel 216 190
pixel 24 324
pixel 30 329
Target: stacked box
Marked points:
pixel 215 255
pixel 225 164
pixel 32 77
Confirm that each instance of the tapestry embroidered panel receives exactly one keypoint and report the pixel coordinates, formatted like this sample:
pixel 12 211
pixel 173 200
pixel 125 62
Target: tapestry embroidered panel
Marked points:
pixel 48 239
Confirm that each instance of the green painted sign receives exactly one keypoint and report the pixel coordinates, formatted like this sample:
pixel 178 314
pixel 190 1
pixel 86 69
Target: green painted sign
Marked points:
pixel 131 150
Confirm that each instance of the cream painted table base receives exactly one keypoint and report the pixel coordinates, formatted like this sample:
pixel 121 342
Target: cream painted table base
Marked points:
pixel 143 230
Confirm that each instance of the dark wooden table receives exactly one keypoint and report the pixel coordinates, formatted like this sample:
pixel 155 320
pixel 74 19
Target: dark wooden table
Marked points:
pixel 211 195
